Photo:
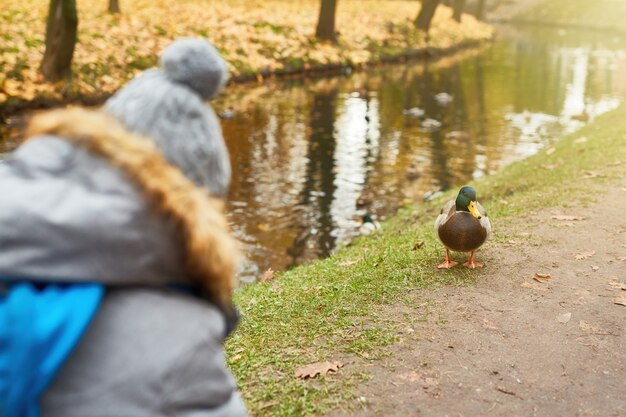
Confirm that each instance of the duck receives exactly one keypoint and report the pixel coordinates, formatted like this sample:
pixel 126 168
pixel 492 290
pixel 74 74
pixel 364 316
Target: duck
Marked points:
pixel 463 226
pixel 368 225
pixel 443 99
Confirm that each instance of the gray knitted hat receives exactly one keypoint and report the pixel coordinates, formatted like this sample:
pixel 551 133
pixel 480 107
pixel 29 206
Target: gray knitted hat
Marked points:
pixel 167 105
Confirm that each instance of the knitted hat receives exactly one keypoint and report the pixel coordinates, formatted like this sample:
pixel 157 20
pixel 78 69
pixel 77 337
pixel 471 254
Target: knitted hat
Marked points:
pixel 167 105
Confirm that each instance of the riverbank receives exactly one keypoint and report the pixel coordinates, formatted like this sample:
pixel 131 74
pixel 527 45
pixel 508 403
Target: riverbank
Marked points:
pixel 263 39
pixel 351 307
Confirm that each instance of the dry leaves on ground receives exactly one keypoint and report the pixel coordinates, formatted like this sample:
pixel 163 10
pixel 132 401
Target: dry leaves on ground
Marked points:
pixel 618 285
pixel 567 218
pixel 268 275
pixel 592 174
pixel 350 262
pixel 564 318
pixel 542 277
pixel 585 255
pixel 317 368
pixel 534 286
pixel 417 246
pixel 588 328
pixel 505 390
pixel 253 36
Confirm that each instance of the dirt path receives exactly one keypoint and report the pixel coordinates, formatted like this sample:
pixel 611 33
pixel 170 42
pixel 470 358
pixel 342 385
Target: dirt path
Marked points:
pixel 512 346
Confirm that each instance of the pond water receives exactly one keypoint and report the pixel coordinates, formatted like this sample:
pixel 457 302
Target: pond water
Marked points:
pixel 311 156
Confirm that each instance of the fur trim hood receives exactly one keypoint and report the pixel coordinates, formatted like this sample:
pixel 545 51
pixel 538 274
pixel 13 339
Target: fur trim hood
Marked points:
pixel 85 200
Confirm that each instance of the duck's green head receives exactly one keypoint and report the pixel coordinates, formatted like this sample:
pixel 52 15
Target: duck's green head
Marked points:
pixel 466 201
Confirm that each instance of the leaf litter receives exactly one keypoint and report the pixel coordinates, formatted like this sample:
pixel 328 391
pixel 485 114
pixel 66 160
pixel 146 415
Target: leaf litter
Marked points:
pixel 539 277
pixel 318 368
pixel 585 255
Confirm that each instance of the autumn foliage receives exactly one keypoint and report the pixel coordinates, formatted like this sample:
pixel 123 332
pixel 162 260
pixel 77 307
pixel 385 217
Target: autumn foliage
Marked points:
pixel 255 37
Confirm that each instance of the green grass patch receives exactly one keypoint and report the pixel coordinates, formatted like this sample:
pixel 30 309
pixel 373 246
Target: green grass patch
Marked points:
pixel 330 309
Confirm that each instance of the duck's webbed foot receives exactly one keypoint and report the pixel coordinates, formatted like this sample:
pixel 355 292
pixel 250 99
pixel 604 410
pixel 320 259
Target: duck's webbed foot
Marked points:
pixel 448 263
pixel 472 264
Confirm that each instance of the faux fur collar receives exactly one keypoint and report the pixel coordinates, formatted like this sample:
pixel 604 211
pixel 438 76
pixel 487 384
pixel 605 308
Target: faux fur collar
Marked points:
pixel 211 253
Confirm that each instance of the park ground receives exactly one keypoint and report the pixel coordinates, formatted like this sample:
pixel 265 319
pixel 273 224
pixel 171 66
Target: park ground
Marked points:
pixel 416 341
pixel 257 38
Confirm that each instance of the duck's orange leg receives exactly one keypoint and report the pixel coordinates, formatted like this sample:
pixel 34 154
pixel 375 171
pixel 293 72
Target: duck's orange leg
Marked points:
pixel 471 263
pixel 449 263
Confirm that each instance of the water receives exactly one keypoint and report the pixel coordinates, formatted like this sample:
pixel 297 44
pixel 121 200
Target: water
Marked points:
pixel 311 156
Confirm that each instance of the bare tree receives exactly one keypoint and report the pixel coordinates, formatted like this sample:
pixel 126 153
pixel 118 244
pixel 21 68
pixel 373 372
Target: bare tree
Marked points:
pixel 480 9
pixel 426 14
pixel 61 31
pixel 326 22
pixel 114 6
pixel 457 9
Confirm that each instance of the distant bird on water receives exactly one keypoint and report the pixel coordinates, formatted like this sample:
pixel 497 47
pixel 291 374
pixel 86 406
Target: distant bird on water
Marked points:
pixel 462 226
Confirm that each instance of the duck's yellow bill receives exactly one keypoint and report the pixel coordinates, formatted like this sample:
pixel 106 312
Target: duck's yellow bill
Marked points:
pixel 473 208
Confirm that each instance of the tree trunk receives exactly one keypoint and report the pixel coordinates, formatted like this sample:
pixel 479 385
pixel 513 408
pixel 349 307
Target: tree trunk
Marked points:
pixel 114 6
pixel 426 14
pixel 326 23
pixel 457 9
pixel 480 9
pixel 60 40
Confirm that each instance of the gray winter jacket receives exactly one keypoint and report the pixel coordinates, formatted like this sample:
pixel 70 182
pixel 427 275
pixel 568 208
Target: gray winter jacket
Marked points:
pixel 68 215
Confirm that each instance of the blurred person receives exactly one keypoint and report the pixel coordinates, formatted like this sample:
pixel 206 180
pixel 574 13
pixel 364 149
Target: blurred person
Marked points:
pixel 116 262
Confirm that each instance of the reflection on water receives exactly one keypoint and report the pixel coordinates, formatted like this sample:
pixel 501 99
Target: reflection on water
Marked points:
pixel 311 156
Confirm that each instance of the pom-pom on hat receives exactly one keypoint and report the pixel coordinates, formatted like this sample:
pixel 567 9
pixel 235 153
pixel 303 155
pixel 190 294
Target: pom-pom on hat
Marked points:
pixel 166 104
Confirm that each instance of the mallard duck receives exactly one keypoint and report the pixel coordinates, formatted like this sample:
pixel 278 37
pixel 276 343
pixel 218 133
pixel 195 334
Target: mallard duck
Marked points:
pixel 462 226
pixel 368 225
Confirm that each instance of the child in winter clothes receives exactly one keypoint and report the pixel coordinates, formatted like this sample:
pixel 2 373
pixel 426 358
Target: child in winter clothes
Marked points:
pixel 116 262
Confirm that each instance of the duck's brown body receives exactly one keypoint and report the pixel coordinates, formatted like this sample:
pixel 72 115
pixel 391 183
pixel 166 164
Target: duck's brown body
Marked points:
pixel 462 232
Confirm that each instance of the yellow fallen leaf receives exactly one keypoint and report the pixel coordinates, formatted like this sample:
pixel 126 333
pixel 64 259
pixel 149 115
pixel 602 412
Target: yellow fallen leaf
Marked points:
pixel 542 277
pixel 267 275
pixel 317 368
pixel 567 218
pixel 585 255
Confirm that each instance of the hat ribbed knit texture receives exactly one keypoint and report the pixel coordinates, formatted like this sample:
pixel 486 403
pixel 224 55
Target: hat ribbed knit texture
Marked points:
pixel 166 104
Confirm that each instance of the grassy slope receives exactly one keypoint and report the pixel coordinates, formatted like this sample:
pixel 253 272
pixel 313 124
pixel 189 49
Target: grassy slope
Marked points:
pixel 600 14
pixel 330 309
pixel 254 36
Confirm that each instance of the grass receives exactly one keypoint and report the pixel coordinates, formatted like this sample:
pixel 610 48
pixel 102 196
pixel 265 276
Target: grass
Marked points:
pixel 600 14
pixel 331 309
pixel 255 37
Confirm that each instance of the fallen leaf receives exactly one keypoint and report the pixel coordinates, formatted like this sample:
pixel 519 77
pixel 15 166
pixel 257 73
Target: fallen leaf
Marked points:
pixel 317 368
pixel 267 275
pixel 489 325
pixel 588 328
pixel 564 318
pixel 621 300
pixel 533 286
pixel 581 140
pixel 542 277
pixel 594 268
pixel 592 174
pixel 550 151
pixel 618 285
pixel 351 262
pixel 263 227
pixel 505 390
pixel 568 218
pixel 585 255
pixel 268 404
pixel 418 246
